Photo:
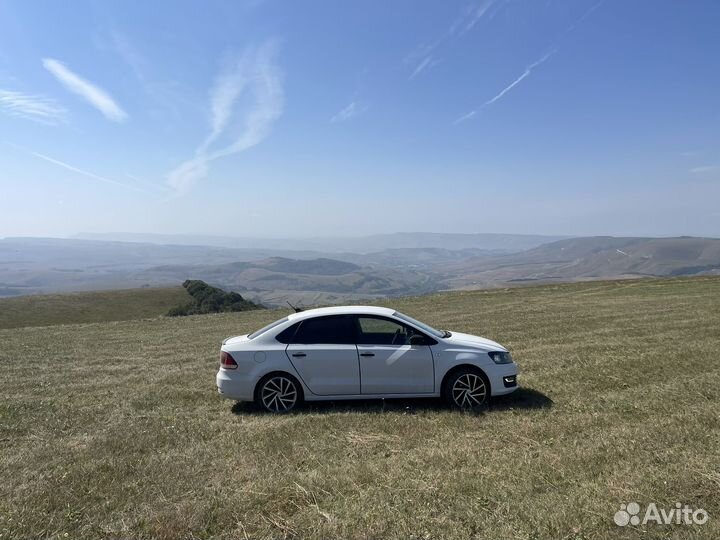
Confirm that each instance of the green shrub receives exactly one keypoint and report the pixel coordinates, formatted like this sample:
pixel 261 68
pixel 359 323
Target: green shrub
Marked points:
pixel 209 299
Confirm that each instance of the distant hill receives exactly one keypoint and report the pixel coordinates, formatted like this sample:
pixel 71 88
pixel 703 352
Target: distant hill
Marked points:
pixel 271 279
pixel 349 244
pixel 313 267
pixel 272 276
pixel 591 258
pixel 89 307
pixel 416 258
pixel 49 265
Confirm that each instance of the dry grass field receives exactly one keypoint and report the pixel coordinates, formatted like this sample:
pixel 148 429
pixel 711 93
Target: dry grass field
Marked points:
pixel 83 307
pixel 114 429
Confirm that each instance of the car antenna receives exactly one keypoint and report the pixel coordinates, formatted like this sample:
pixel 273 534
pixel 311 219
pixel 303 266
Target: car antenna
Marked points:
pixel 297 309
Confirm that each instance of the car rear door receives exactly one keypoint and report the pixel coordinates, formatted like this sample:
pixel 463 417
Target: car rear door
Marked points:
pixel 323 351
pixel 389 363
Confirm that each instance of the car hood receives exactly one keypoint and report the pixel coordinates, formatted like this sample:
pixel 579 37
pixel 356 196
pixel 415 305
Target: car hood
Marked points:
pixel 235 339
pixel 468 340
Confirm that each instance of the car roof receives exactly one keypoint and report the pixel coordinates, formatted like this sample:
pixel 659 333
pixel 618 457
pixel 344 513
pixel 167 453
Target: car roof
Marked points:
pixel 341 310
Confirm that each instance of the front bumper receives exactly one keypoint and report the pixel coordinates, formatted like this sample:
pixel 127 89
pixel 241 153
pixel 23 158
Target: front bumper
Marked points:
pixel 503 379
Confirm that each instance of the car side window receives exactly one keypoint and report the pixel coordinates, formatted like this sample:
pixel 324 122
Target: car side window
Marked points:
pixel 331 330
pixel 287 335
pixel 381 331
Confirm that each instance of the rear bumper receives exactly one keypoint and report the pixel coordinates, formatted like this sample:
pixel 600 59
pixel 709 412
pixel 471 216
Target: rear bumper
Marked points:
pixel 235 386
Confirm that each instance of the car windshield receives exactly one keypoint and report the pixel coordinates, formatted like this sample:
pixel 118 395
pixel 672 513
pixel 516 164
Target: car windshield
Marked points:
pixel 266 328
pixel 421 325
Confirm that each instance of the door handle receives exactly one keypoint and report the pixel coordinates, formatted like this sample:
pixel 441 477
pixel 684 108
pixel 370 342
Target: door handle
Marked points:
pixel 367 354
pixel 299 355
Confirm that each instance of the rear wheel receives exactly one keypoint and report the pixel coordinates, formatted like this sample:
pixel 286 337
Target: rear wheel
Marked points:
pixel 467 389
pixel 278 393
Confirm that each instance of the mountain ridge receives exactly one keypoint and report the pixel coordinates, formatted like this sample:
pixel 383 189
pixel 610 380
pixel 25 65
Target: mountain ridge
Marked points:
pixel 335 244
pixel 42 266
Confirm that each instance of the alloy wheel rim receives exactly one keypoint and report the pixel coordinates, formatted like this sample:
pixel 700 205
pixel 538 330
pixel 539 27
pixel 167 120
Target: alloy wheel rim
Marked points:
pixel 469 391
pixel 279 394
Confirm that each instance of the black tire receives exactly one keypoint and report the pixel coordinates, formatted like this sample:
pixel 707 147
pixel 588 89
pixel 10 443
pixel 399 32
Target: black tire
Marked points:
pixel 467 389
pixel 278 393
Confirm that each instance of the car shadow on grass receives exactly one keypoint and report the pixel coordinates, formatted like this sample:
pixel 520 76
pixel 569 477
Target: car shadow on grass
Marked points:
pixel 521 399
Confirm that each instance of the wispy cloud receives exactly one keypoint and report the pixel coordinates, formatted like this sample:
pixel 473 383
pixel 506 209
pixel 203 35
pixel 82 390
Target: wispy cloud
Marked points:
pixel 479 13
pixel 32 107
pixel 426 62
pixel 422 59
pixel 466 116
pixel 425 57
pixel 582 18
pixel 351 111
pixel 525 74
pixel 165 93
pixel 228 88
pixel 705 169
pixel 499 95
pixel 84 172
pixel 93 94
pixel 474 14
pixel 129 54
pixel 253 73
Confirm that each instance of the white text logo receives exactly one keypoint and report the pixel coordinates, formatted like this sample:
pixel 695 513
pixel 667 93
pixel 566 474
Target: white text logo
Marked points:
pixel 630 514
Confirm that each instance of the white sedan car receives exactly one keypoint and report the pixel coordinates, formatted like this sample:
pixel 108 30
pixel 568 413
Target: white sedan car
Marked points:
pixel 361 352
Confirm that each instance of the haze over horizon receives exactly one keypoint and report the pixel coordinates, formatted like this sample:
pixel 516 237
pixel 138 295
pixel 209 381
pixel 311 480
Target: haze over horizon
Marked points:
pixel 270 119
pixel 196 238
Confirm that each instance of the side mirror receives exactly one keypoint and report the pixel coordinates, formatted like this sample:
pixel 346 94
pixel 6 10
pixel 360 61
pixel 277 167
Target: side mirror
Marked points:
pixel 418 340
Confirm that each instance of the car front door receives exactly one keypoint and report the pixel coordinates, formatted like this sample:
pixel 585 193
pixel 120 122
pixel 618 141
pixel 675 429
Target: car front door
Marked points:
pixel 394 358
pixel 323 351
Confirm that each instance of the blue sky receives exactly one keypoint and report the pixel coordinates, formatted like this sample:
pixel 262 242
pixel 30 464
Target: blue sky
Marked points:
pixel 291 118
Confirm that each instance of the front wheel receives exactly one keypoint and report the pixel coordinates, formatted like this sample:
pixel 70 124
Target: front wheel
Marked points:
pixel 467 389
pixel 278 393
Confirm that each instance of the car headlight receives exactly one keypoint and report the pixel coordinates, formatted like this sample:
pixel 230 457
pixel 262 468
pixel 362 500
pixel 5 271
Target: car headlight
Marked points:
pixel 501 357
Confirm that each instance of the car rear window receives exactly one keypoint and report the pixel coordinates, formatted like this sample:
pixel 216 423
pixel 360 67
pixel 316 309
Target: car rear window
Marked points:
pixel 266 328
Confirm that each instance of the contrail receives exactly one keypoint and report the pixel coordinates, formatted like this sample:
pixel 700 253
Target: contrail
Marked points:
pixel 517 81
pixel 85 173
